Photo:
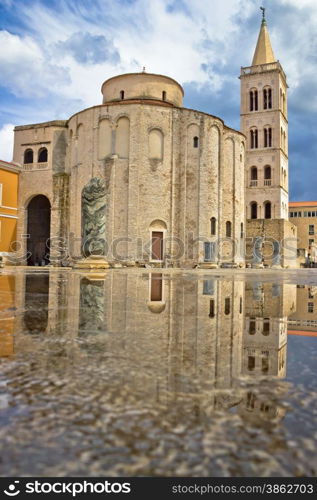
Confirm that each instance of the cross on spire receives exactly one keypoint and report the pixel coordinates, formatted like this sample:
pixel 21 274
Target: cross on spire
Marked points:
pixel 263 15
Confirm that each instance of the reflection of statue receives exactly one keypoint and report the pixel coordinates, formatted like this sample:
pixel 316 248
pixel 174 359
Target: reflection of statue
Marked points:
pixel 91 316
pixel 94 217
pixel 257 250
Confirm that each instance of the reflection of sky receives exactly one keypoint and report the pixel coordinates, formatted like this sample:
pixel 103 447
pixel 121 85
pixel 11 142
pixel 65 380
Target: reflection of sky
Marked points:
pixel 57 54
pixel 301 360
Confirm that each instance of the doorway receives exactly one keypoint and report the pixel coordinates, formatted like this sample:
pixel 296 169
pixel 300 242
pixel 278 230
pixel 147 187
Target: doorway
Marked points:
pixel 38 229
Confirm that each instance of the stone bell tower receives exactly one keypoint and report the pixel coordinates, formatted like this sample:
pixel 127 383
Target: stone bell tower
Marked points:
pixel 264 123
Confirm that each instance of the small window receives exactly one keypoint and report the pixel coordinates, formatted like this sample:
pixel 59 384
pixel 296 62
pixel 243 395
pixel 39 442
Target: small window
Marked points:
pixel 268 137
pixel 265 365
pixel 211 308
pixel 266 327
pixel 254 210
pixel 254 139
pixel 267 98
pixel 42 158
pixel 311 229
pixel 252 327
pixel 227 305
pixel 240 307
pixel 228 229
pixel 311 242
pixel 28 156
pixel 209 287
pixel 267 210
pixel 254 174
pixel 241 230
pixel 209 251
pixel 164 95
pixel 267 172
pixel 310 307
pixel 195 142
pixel 213 226
pixel 251 363
pixel 121 94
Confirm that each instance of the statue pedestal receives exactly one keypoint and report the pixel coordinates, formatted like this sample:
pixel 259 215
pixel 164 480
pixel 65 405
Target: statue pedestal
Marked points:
pixel 92 262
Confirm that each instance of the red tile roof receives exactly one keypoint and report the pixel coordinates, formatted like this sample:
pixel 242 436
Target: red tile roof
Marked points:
pixel 302 204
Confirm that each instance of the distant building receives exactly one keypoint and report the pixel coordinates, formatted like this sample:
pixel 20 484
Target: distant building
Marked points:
pixel 9 181
pixel 303 321
pixel 304 215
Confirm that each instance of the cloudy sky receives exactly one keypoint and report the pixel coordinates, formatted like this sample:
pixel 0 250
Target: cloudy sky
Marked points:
pixel 54 55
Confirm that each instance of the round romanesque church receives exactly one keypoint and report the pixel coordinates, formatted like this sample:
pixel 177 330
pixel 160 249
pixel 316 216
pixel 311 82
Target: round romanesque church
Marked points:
pixel 139 180
pixel 136 180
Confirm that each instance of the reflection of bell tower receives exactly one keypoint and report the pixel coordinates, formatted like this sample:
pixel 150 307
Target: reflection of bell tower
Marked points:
pixel 264 123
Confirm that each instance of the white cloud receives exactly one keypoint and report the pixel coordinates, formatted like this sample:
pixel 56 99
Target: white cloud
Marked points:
pixel 24 68
pixel 6 142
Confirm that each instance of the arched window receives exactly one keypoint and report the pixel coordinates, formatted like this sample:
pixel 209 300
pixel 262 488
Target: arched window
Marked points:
pixel 266 327
pixel 28 156
pixel 121 94
pixel 252 326
pixel 267 172
pixel 42 157
pixel 267 98
pixel 254 210
pixel 268 137
pixel 164 95
pixel 253 100
pixel 241 230
pixel 123 137
pixel 156 144
pixel 267 210
pixel 213 226
pixel 254 174
pixel 195 142
pixel 254 138
pixel 228 229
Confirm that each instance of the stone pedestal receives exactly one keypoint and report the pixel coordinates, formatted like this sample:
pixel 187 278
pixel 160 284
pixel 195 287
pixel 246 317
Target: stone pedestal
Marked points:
pixel 92 262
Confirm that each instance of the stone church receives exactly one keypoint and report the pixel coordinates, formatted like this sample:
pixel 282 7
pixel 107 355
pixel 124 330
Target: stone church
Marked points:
pixel 141 180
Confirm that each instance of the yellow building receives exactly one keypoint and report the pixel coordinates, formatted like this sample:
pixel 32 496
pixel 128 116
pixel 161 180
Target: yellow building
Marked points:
pixel 9 179
pixel 7 320
pixel 304 215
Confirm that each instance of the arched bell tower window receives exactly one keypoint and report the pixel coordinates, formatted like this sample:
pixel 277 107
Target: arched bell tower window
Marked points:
pixel 28 156
pixel 254 210
pixel 254 138
pixel 267 210
pixel 228 229
pixel 267 98
pixel 253 100
pixel 267 137
pixel 42 157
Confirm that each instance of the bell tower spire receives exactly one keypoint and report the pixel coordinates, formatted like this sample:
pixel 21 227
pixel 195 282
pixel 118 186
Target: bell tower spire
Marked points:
pixel 263 52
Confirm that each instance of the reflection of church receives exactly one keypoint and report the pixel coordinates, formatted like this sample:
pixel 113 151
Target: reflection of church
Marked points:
pixel 140 179
pixel 200 336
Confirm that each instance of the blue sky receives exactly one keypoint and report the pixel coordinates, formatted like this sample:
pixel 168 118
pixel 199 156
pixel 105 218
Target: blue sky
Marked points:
pixel 55 54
